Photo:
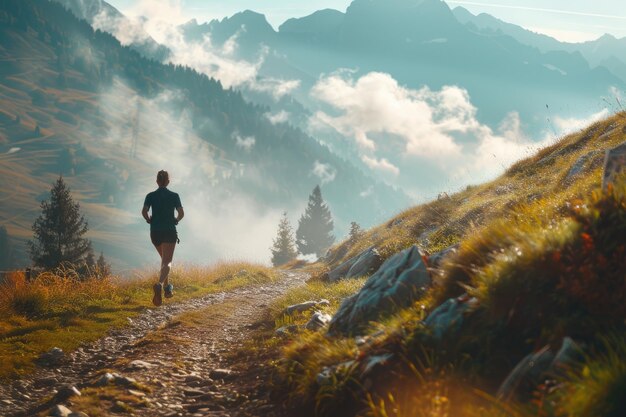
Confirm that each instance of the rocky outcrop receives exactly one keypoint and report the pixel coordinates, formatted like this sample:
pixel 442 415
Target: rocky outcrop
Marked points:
pixel 614 164
pixel 536 367
pixel 397 283
pixel 447 319
pixel 360 265
pixel 302 307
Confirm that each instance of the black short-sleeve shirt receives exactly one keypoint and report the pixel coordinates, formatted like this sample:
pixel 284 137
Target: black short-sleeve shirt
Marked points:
pixel 163 203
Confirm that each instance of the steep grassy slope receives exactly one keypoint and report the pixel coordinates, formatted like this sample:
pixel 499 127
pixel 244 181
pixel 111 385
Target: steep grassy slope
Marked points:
pixel 542 256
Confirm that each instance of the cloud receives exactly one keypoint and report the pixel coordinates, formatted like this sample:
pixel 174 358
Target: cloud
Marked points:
pixel 567 125
pixel 280 117
pixel 381 165
pixel 161 20
pixel 220 222
pixel 246 143
pixel 325 172
pixel 409 135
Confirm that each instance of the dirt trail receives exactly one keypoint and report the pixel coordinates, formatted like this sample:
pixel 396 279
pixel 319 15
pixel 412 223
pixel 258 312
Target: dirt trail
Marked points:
pixel 186 363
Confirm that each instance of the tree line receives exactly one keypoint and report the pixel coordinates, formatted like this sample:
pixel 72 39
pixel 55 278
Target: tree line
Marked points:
pixel 314 235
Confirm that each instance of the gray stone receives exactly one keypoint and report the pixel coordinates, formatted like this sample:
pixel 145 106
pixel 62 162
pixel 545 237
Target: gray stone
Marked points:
pixel 614 164
pixel 400 281
pixel 140 365
pixel 220 373
pixel 579 165
pixel 53 357
pixel 537 366
pixel 318 320
pixel 302 307
pixel 435 260
pixel 373 362
pixel 104 380
pixel 366 263
pixel 447 319
pixel 60 411
pixel 287 330
pixel 327 376
pixel 67 391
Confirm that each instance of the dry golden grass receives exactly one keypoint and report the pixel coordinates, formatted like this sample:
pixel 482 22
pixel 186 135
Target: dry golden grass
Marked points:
pixel 59 309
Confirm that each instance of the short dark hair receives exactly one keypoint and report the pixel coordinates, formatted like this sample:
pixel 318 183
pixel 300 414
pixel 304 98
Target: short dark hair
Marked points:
pixel 162 177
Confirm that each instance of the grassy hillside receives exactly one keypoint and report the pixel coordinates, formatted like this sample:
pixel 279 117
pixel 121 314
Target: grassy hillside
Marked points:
pixel 542 256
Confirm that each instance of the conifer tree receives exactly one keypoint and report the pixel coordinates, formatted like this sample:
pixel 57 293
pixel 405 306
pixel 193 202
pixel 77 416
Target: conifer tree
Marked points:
pixel 104 268
pixel 314 234
pixel 59 231
pixel 284 248
pixel 355 233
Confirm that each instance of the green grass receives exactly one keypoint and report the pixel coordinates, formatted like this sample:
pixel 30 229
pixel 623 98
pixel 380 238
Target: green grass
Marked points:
pixel 57 310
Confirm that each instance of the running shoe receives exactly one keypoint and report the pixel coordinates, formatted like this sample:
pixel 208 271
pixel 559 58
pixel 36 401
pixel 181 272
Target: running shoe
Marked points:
pixel 169 291
pixel 157 300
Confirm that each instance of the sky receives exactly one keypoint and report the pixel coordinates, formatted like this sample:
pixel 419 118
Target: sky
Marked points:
pixel 566 20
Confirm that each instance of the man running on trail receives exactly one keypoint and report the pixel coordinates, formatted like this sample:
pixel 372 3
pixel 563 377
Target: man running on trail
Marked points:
pixel 163 230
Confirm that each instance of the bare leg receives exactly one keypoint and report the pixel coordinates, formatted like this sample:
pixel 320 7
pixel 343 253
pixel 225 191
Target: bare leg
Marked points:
pixel 167 253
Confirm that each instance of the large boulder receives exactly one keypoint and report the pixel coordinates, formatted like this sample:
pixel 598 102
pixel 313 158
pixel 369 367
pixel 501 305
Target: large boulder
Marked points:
pixel 447 319
pixel 614 164
pixel 360 265
pixel 538 366
pixel 400 281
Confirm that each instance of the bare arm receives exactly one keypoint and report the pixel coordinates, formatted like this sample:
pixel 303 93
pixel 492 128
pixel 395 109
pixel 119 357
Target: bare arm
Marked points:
pixel 181 214
pixel 144 213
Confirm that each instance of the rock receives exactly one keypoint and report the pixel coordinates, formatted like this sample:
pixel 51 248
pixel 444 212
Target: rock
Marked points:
pixel 580 163
pixel 367 262
pixel 124 381
pixel 52 358
pixel 373 362
pixel 46 382
pixel 286 330
pixel 447 319
pixel 140 365
pixel 327 375
pixel 104 380
pixel 318 321
pixel 193 392
pixel 302 307
pixel 220 373
pixel 60 411
pixel 434 261
pixel 534 368
pixel 360 265
pixel 614 164
pixel 66 392
pixel 397 284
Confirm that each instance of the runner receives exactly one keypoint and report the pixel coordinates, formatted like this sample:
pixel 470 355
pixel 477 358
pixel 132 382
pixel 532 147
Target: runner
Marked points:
pixel 163 230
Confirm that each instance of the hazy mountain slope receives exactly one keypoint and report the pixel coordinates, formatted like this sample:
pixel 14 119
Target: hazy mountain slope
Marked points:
pixel 606 51
pixel 99 12
pixel 74 101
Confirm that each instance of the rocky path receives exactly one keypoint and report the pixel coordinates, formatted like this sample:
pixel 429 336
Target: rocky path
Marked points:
pixel 180 359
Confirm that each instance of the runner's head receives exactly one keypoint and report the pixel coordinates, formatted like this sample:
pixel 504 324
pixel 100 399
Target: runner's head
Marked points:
pixel 163 178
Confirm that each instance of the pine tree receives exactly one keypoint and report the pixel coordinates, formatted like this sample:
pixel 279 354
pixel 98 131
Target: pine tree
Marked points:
pixel 104 268
pixel 355 233
pixel 284 249
pixel 314 234
pixel 59 231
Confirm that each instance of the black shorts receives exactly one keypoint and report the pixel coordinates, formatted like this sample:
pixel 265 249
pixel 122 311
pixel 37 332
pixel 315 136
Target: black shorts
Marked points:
pixel 163 236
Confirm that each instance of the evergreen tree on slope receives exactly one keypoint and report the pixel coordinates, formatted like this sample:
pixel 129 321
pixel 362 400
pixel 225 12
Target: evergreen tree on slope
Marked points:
pixel 284 249
pixel 59 231
pixel 315 228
